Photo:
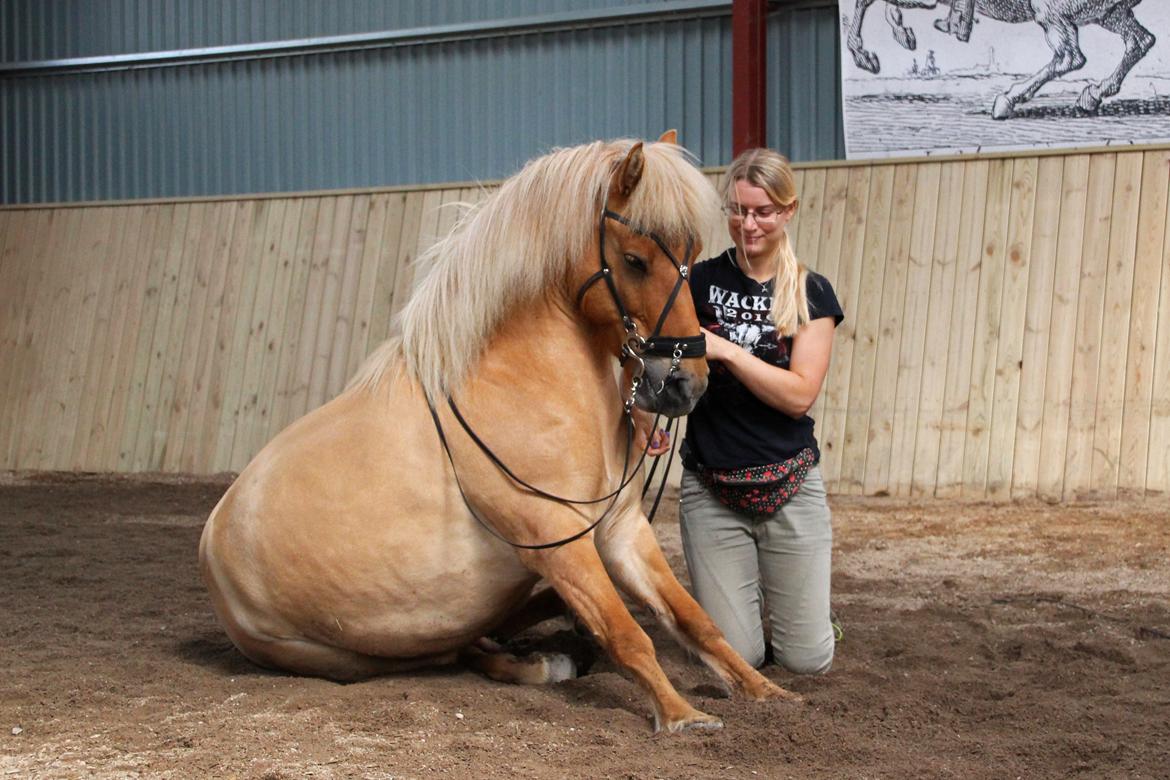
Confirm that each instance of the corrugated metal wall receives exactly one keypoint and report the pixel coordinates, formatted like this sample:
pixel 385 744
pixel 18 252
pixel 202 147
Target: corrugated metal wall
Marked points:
pixel 432 111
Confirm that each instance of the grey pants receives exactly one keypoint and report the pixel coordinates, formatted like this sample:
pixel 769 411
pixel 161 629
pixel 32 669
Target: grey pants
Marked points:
pixel 739 565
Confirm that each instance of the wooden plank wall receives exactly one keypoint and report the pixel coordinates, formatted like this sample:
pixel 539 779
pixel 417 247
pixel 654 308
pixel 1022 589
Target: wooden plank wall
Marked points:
pixel 1007 331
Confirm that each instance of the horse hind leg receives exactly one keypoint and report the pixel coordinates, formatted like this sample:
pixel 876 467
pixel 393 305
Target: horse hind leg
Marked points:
pixel 862 57
pixel 902 34
pixel 1138 42
pixel 494 661
pixel 1066 57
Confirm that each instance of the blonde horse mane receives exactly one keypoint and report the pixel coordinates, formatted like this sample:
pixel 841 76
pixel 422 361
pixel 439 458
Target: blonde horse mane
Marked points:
pixel 518 244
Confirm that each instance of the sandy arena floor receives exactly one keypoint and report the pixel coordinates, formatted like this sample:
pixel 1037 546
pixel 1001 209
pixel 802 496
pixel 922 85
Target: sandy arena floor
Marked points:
pixel 981 641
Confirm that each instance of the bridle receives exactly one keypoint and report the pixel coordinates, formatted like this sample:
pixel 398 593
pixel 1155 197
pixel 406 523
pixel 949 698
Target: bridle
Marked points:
pixel 633 347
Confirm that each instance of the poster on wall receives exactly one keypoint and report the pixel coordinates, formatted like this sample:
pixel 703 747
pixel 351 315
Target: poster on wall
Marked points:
pixel 923 77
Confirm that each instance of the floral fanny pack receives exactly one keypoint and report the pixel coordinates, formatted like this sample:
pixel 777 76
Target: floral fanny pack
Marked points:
pixel 759 490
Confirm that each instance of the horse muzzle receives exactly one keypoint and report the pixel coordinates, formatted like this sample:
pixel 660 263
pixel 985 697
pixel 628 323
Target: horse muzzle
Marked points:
pixel 663 391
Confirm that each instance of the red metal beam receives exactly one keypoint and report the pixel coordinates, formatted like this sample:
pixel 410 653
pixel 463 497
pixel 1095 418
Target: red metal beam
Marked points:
pixel 748 61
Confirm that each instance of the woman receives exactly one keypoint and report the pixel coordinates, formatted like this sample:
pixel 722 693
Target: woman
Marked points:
pixel 755 522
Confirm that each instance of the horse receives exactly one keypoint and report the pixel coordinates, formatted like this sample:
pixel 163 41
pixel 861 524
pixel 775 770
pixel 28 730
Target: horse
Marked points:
pixel 1061 21
pixel 374 535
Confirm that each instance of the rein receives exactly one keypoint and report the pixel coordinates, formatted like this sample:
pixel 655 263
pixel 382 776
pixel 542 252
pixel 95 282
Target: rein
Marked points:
pixel 634 346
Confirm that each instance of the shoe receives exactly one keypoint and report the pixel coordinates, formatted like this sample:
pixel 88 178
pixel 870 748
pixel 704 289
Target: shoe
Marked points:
pixel 838 630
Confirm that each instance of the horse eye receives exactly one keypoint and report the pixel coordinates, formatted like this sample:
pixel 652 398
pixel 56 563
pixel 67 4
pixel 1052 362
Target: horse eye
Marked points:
pixel 635 262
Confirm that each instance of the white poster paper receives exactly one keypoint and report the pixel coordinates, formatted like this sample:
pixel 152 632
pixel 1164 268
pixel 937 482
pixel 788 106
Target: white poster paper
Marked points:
pixel 923 77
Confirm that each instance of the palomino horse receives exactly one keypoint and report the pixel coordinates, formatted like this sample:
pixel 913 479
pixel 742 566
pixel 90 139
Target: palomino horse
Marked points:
pixel 354 544
pixel 1061 21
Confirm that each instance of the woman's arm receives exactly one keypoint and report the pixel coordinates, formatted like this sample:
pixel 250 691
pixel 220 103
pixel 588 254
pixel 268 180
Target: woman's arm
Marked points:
pixel 791 390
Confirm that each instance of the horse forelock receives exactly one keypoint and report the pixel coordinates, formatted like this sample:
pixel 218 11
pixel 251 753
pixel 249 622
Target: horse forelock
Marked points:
pixel 519 243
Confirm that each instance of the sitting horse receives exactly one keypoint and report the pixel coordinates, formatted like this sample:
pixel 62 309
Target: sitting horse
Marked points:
pixel 1060 20
pixel 374 535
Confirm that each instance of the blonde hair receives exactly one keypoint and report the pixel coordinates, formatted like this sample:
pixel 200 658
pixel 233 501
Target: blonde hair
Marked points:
pixel 508 250
pixel 771 172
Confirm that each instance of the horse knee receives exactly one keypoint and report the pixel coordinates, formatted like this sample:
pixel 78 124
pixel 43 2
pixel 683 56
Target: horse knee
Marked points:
pixel 1145 41
pixel 630 647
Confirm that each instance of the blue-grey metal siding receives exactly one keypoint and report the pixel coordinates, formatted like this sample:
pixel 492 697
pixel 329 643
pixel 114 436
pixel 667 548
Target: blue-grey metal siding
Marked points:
pixel 434 111
pixel 804 83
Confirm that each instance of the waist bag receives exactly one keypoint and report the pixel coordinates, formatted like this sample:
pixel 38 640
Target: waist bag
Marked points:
pixel 759 490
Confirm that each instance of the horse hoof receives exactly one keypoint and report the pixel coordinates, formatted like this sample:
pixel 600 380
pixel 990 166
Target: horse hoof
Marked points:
pixel 696 721
pixel 1088 103
pixel 906 38
pixel 558 667
pixel 867 60
pixel 774 691
pixel 1001 108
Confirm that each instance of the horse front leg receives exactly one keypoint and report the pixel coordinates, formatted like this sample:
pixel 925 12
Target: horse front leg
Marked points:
pixel 578 575
pixel 1138 42
pixel 635 560
pixel 1066 57
pixel 863 58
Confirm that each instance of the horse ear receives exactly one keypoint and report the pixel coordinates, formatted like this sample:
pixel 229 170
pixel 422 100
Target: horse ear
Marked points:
pixel 629 173
pixel 669 137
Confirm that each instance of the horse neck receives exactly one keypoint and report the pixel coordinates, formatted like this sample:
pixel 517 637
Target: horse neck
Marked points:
pixel 543 359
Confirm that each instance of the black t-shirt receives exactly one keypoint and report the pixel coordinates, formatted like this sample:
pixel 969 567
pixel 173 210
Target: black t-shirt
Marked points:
pixel 731 428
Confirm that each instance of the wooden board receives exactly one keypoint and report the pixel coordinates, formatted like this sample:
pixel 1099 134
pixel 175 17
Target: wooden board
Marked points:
pixel 867 330
pixel 1037 327
pixel 74 341
pixel 139 312
pixel 248 427
pixel 319 387
pixel 195 421
pixel 1158 467
pixel 985 346
pixel 1062 342
pixel 154 255
pixel 1140 374
pixel 1013 312
pixel 1090 311
pixel 387 268
pixel 888 337
pixel 342 333
pixel 114 303
pixel 288 385
pixel 912 339
pixel 247 251
pixel 937 327
pixel 832 228
pixel 1109 409
pixel 835 409
pixel 26 238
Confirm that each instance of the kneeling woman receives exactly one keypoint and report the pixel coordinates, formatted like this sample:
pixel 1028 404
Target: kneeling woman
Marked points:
pixel 755 522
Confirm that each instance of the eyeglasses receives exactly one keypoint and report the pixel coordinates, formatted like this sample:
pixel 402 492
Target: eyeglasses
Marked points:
pixel 764 216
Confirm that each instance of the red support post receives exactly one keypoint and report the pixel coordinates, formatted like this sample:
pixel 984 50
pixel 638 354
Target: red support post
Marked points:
pixel 748 60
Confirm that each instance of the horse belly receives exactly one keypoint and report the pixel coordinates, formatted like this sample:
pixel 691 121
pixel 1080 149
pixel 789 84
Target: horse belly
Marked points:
pixel 342 533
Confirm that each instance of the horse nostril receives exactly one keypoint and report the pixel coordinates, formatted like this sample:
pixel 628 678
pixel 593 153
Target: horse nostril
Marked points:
pixel 679 392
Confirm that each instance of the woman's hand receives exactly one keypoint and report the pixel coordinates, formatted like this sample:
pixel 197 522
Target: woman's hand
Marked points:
pixel 719 348
pixel 659 439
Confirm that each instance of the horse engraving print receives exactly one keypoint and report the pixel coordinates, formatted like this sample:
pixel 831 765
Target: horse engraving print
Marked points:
pixel 354 544
pixel 1061 21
